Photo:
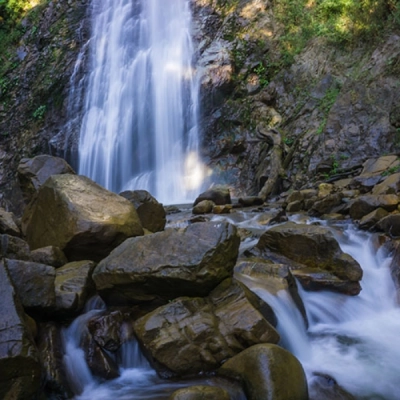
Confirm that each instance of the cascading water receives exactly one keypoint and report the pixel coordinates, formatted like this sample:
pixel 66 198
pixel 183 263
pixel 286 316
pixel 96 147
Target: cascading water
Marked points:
pixel 139 129
pixel 351 339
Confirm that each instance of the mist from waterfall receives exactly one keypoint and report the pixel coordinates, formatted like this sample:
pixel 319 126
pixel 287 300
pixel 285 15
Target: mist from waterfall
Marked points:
pixel 140 128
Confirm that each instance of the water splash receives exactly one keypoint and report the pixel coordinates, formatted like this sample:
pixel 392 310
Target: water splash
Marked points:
pixel 140 128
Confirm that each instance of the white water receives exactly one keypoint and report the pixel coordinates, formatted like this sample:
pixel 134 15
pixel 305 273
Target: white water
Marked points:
pixel 355 340
pixel 139 129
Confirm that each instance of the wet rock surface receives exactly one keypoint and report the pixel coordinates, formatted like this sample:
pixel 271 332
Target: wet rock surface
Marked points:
pixel 168 264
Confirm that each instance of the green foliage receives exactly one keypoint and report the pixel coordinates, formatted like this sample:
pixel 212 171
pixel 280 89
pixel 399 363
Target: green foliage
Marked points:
pixel 39 113
pixel 391 170
pixel 340 22
pixel 262 72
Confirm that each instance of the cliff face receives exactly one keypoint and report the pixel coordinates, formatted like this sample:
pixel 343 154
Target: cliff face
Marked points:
pixel 270 106
pixel 333 103
pixel 35 78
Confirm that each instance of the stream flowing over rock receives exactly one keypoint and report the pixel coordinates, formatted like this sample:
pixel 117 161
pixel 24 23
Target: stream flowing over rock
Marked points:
pixel 169 264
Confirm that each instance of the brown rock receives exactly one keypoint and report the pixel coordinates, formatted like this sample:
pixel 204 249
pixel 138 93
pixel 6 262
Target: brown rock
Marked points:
pixel 80 217
pixel 49 255
pixel 370 220
pixel 390 225
pixel 8 223
pixel 168 264
pixel 203 207
pixel 391 185
pixel 200 393
pixel 151 212
pixel 220 195
pixel 268 373
pixel 363 205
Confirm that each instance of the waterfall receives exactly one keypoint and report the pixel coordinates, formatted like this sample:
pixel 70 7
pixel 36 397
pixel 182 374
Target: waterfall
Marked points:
pixel 140 128
pixel 354 340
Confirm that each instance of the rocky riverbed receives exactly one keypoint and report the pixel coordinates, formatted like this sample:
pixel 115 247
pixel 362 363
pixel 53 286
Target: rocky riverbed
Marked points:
pixel 176 289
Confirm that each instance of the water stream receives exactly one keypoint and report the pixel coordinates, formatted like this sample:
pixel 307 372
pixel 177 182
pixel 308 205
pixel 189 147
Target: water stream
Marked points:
pixel 139 129
pixel 354 340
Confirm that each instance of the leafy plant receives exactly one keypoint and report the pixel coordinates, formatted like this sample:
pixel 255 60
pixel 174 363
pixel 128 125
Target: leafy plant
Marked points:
pixel 39 113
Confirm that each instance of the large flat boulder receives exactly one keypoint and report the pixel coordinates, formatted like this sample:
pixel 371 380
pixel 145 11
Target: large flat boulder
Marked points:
pixel 19 358
pixel 268 372
pixel 191 335
pixel 80 217
pixel 363 205
pixel 311 245
pixel 169 264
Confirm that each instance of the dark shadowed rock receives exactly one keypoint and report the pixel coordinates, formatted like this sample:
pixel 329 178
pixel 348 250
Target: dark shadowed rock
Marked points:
pixel 326 204
pixel 200 393
pixel 169 264
pixel 80 217
pixel 191 335
pixel 19 358
pixel 251 201
pixel 14 248
pixel 51 355
pixel 220 195
pixel 34 284
pixel 50 255
pixel 33 173
pixel 73 286
pixel 268 373
pixel 151 212
pixel 390 225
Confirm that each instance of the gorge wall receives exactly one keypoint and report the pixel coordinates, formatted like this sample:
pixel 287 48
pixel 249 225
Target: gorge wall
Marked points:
pixel 268 109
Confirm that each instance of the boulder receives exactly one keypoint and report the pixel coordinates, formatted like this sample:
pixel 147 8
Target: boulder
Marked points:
pixel 311 245
pixel 370 220
pixel 50 255
pixel 390 225
pixel 326 204
pixel 365 183
pixel 273 277
pixel 51 354
pixel 151 212
pixel 100 363
pixel 295 206
pixel 220 195
pixel 111 329
pixel 14 248
pixel 251 201
pixel 203 207
pixel 191 334
pixel 268 372
pixel 169 264
pixel 363 205
pixel 315 279
pixel 73 286
pixel 391 185
pixel 325 189
pixel 20 376
pixel 200 393
pixel 80 217
pixel 379 165
pixel 33 173
pixel 323 386
pixel 295 196
pixel 8 223
pixel 225 209
pixel 34 284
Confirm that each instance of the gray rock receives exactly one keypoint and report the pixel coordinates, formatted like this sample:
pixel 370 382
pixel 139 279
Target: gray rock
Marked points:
pixel 33 173
pixel 49 255
pixel 19 359
pixel 8 223
pixel 73 286
pixel 151 212
pixel 220 195
pixel 14 248
pixel 193 335
pixel 34 284
pixel 168 264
